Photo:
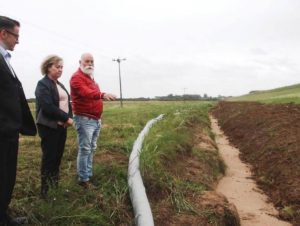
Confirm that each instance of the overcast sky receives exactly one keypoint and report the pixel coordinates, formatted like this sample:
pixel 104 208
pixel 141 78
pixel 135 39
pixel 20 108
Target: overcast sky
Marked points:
pixel 217 47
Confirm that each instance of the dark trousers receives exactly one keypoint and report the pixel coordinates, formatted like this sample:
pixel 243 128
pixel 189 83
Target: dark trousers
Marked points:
pixel 53 145
pixel 8 167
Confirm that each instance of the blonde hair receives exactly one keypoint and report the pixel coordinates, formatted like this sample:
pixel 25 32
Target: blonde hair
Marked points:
pixel 48 62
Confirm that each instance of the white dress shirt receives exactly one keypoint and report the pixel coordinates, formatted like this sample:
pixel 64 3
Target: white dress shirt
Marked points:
pixel 6 55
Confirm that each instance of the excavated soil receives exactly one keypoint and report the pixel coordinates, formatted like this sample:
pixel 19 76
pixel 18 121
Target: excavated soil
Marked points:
pixel 207 208
pixel 268 137
pixel 210 207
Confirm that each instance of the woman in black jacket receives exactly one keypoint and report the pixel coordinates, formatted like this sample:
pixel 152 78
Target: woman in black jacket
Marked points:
pixel 53 116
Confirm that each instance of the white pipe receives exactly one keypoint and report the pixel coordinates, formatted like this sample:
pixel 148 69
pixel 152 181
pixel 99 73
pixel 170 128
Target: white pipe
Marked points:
pixel 141 206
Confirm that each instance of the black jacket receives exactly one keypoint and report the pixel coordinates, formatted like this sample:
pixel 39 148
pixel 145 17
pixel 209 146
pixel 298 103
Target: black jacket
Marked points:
pixel 15 115
pixel 48 112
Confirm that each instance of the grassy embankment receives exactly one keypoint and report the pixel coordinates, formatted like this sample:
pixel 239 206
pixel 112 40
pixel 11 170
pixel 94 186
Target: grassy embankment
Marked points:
pixel 287 94
pixel 109 203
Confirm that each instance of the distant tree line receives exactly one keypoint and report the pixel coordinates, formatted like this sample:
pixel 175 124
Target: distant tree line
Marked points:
pixel 184 97
pixel 169 97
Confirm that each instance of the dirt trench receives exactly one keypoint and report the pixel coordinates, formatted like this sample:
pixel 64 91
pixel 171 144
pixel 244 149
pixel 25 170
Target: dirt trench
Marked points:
pixel 240 189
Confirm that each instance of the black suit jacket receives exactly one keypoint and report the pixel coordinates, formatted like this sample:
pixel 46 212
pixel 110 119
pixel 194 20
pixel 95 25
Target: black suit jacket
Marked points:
pixel 48 112
pixel 15 115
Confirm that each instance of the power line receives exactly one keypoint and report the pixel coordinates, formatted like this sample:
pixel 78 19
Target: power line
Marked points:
pixel 66 40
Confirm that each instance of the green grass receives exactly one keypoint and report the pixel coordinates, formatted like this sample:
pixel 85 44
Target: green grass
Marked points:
pixel 287 94
pixel 109 203
pixel 171 141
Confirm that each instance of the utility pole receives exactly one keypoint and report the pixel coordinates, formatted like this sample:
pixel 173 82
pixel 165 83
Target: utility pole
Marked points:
pixel 119 63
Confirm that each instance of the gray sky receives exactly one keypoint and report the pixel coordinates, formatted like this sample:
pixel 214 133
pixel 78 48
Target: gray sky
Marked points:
pixel 217 47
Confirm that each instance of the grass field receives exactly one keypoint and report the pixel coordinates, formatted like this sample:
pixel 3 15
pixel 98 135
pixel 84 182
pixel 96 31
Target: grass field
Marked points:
pixel 109 203
pixel 288 94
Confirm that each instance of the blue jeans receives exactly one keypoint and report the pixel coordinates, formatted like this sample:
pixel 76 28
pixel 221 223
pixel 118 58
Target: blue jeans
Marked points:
pixel 87 133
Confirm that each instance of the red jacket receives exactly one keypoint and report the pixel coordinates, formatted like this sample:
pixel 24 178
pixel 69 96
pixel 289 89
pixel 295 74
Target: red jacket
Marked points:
pixel 86 96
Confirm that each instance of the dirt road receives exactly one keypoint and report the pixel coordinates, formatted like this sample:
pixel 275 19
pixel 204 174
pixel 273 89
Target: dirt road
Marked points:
pixel 241 190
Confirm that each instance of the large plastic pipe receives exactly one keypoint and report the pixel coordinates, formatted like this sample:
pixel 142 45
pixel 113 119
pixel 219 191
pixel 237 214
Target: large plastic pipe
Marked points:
pixel 139 200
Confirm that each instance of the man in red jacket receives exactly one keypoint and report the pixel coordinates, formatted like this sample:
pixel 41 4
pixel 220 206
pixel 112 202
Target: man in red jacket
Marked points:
pixel 87 108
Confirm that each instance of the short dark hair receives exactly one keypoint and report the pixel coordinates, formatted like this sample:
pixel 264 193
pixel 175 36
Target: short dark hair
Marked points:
pixel 8 23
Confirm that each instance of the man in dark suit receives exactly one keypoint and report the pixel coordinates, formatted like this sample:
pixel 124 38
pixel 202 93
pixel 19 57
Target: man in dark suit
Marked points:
pixel 15 118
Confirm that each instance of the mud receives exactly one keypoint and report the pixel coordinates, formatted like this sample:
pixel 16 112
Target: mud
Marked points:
pixel 240 189
pixel 268 137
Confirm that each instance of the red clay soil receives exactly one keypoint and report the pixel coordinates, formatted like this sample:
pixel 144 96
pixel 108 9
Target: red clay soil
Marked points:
pixel 268 137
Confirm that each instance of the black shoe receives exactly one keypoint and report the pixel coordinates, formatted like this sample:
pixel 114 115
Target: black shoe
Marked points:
pixel 16 221
pixel 86 184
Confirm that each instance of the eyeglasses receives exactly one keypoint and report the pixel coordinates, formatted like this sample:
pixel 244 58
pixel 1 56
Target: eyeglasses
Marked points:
pixel 13 34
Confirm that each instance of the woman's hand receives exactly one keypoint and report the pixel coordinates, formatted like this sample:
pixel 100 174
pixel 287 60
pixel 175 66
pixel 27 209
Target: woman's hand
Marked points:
pixel 68 123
